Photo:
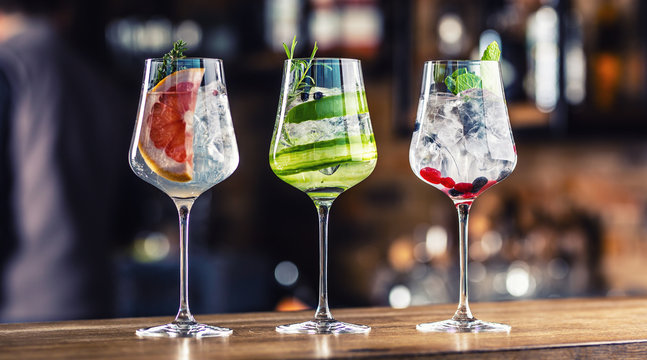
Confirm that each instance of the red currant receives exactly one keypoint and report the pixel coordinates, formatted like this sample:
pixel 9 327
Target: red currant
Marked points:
pixel 430 174
pixel 447 182
pixel 463 187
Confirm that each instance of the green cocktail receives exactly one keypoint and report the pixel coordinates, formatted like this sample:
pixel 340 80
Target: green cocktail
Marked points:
pixel 327 144
pixel 324 169
pixel 323 144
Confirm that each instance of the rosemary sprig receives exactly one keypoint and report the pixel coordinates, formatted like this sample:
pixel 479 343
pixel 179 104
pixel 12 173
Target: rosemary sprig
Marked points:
pixel 299 69
pixel 168 61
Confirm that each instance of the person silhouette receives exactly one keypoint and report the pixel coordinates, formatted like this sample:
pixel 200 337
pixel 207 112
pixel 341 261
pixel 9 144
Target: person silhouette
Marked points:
pixel 60 161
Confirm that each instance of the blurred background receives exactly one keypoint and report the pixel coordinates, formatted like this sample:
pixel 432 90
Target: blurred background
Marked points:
pixel 570 221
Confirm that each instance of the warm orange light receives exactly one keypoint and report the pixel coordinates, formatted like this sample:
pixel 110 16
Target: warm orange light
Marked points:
pixel 291 303
pixel 401 254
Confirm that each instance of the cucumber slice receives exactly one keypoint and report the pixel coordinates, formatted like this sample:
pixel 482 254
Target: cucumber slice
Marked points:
pixel 350 103
pixel 323 154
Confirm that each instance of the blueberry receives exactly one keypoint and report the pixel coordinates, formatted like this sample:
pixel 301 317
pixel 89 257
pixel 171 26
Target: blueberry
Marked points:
pixel 504 174
pixel 454 192
pixel 304 96
pixel 416 127
pixel 318 95
pixel 478 183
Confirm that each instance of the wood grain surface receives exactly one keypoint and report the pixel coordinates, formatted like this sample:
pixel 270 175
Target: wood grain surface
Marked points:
pixel 610 328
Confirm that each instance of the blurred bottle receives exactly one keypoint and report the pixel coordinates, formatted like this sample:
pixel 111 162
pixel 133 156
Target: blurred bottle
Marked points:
pixel 606 58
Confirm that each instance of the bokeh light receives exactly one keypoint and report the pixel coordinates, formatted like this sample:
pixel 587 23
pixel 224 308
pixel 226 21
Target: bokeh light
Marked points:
pixel 286 273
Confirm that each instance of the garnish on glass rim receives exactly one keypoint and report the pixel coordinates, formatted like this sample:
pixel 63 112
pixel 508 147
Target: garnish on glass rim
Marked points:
pixel 168 60
pixel 461 80
pixel 299 68
pixel 492 52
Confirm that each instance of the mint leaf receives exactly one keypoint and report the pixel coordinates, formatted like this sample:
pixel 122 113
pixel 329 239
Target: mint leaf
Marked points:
pixel 492 52
pixel 461 80
pixel 451 84
pixel 467 81
pixel 457 72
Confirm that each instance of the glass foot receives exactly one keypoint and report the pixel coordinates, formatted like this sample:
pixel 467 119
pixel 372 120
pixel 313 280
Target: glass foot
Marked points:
pixel 464 326
pixel 194 330
pixel 323 327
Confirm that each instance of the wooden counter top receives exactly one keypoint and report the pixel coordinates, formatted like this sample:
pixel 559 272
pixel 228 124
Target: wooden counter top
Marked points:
pixel 558 329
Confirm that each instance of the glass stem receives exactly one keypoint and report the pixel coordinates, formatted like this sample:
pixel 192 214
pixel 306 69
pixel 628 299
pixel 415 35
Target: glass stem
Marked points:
pixel 184 316
pixel 323 311
pixel 463 313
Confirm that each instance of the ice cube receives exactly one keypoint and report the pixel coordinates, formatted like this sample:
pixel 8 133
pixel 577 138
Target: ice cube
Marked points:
pixel 427 151
pixel 314 130
pixel 212 129
pixel 471 109
pixel 499 135
pixel 476 142
pixel 471 116
pixel 310 131
pixel 442 120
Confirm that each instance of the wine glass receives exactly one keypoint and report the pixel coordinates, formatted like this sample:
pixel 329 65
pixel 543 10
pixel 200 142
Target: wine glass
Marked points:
pixel 183 144
pixel 462 145
pixel 323 144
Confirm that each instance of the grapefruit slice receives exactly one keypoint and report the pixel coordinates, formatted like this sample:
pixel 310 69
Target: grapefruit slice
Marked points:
pixel 166 139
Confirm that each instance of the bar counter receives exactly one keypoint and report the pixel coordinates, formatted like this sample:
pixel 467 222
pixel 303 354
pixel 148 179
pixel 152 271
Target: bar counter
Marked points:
pixel 558 329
